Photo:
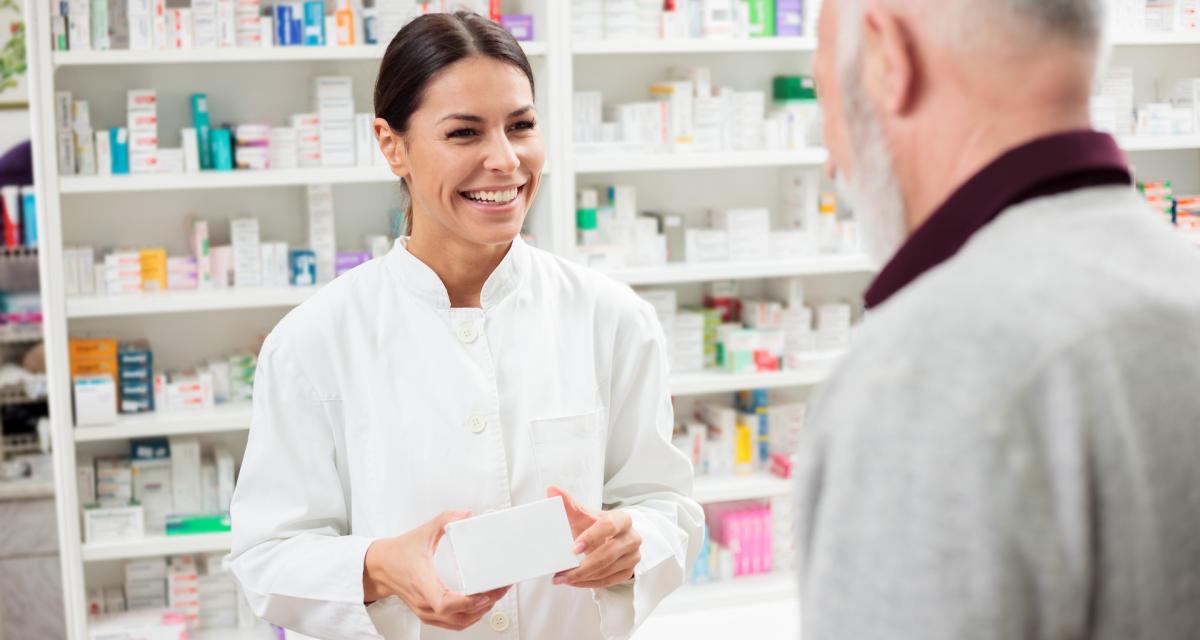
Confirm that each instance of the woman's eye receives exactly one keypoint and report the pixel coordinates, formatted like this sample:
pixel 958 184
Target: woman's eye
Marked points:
pixel 461 133
pixel 525 125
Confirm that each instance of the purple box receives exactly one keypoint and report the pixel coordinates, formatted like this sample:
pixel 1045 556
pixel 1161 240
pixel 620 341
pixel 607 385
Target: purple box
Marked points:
pixel 789 18
pixel 347 260
pixel 519 25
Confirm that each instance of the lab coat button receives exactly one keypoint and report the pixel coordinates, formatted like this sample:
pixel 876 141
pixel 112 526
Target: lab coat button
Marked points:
pixel 499 622
pixel 477 424
pixel 467 333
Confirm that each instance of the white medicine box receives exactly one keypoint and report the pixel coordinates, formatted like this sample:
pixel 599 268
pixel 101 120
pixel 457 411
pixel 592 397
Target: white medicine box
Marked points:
pixel 95 400
pixel 505 547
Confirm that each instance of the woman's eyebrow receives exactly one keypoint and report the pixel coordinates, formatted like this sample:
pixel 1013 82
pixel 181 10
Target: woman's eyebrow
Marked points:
pixel 461 116
pixel 467 117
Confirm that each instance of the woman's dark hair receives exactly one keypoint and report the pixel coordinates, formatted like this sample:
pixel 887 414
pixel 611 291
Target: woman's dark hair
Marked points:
pixel 429 44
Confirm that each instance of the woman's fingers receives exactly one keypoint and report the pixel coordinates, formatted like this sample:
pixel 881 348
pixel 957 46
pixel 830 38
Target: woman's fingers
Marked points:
pixel 599 562
pixel 436 528
pixel 599 533
pixel 621 571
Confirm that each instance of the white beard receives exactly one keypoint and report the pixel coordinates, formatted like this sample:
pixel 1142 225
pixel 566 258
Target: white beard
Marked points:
pixel 872 192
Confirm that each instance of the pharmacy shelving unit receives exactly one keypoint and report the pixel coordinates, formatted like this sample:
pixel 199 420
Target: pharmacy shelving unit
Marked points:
pixel 245 85
pixel 85 210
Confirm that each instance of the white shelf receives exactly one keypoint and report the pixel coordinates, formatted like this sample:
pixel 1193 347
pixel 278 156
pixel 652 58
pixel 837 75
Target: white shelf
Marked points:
pixel 153 546
pixel 236 417
pixel 224 179
pixel 237 55
pixel 693 384
pixel 230 417
pixel 1159 143
pixel 26 489
pixel 185 301
pixel 625 162
pixel 1155 39
pixel 677 273
pixel 234 634
pixel 775 586
pixel 710 489
pixel 712 45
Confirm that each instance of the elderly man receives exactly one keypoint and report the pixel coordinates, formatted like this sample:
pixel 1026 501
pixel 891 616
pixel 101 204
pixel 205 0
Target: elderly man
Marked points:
pixel 1012 447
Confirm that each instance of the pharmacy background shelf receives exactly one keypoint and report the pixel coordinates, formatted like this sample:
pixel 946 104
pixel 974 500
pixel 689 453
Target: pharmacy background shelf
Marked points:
pixel 731 45
pixel 681 273
pixel 153 546
pixel 707 490
pixel 1160 143
pixel 223 418
pixel 162 302
pixel 779 585
pixel 1155 39
pixel 706 382
pixel 626 162
pixel 710 489
pixel 68 201
pixel 223 180
pixel 272 54
pixel 251 298
pixel 236 634
pixel 240 179
pixel 236 417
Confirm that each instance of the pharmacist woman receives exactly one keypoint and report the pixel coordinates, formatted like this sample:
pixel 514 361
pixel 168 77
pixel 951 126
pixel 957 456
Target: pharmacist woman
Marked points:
pixel 463 372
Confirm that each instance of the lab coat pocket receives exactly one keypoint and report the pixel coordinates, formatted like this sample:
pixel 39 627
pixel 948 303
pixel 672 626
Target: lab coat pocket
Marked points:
pixel 570 455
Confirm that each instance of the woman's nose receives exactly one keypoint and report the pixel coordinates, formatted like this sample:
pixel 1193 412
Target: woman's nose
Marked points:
pixel 500 156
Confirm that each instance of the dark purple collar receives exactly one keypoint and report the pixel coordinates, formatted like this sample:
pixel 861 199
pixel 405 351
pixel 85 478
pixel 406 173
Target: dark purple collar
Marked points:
pixel 1047 166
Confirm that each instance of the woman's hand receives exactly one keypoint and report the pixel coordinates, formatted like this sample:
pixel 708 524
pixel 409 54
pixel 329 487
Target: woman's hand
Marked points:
pixel 403 566
pixel 612 548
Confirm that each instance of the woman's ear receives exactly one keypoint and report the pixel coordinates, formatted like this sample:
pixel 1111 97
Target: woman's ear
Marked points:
pixel 391 144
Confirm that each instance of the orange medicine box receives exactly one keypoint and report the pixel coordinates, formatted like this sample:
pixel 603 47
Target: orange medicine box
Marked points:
pixel 93 358
pixel 99 349
pixel 154 269
pixel 94 368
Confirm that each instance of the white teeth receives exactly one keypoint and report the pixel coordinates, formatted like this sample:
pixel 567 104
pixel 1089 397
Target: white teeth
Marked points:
pixel 499 197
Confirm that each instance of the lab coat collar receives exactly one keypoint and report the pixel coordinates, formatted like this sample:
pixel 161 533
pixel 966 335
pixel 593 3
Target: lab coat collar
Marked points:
pixel 422 281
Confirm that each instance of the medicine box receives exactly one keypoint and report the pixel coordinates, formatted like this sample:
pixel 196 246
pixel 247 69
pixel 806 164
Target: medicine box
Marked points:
pixel 95 400
pixel 502 548
pixel 113 524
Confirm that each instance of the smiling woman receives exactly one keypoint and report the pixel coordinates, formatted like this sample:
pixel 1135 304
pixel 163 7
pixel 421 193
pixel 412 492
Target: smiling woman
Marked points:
pixel 463 372
pixel 471 174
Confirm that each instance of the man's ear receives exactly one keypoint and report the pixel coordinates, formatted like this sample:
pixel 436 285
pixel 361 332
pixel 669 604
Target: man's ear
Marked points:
pixel 890 65
pixel 391 144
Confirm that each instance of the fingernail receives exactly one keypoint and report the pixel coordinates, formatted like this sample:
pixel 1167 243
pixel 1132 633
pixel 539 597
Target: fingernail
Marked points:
pixel 560 579
pixel 479 601
pixel 579 547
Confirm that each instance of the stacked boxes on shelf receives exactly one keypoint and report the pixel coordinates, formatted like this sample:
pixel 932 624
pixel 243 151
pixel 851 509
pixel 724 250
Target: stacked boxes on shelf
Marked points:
pixel 611 234
pixel 683 19
pixel 94 374
pixel 175 595
pixel 740 539
pixel 332 136
pixel 246 263
pixel 136 366
pixel 163 487
pixel 686 113
pixel 747 336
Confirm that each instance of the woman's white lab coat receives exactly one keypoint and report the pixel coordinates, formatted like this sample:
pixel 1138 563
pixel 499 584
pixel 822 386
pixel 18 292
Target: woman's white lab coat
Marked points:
pixel 377 406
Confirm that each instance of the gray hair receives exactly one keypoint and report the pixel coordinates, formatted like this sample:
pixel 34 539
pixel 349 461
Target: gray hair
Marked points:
pixel 1080 20
pixel 975 24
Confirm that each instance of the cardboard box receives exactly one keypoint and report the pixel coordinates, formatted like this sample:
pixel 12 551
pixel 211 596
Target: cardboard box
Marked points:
pixel 95 400
pixel 113 524
pixel 501 548
pixel 185 476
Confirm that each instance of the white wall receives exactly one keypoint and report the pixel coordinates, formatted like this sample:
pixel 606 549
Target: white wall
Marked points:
pixel 14 127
